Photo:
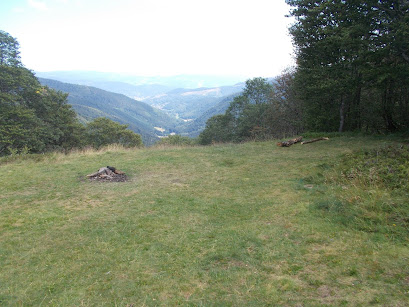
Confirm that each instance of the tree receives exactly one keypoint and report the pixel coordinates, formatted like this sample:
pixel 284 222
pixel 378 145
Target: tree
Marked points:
pixel 9 50
pixel 352 63
pixel 248 111
pixel 218 130
pixel 33 118
pixel 103 131
pixel 20 130
pixel 286 112
pixel 261 112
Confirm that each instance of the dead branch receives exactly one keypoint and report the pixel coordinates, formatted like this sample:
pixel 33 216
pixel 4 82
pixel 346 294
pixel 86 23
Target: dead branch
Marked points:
pixel 314 140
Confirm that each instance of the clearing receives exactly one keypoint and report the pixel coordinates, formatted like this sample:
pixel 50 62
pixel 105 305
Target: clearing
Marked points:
pixel 228 225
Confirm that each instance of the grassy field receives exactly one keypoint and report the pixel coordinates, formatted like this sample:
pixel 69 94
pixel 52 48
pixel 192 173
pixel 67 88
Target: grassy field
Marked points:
pixel 228 225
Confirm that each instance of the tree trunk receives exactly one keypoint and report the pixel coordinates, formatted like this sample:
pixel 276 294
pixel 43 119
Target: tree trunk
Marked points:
pixel 289 142
pixel 387 108
pixel 341 115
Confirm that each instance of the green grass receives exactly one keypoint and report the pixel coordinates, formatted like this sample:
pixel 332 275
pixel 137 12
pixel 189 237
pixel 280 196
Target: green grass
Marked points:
pixel 231 225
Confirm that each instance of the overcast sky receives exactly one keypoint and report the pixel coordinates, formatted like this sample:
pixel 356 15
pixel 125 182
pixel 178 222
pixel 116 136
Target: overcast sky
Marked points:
pixel 152 37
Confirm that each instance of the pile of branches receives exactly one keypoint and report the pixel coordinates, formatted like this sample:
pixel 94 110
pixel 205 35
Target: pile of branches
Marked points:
pixel 108 173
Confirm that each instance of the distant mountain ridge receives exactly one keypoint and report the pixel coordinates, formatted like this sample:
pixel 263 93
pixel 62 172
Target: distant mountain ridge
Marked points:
pixel 172 82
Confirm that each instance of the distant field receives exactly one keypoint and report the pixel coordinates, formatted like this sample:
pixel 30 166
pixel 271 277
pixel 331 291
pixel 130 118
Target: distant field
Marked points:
pixel 225 225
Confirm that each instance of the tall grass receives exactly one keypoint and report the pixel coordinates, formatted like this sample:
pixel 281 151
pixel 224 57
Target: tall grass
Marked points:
pixel 374 193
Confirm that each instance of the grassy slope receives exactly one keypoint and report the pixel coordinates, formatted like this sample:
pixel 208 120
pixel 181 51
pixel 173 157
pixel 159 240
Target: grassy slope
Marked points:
pixel 220 225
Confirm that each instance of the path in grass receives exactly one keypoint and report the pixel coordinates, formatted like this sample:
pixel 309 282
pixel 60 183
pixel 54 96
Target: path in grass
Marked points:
pixel 220 225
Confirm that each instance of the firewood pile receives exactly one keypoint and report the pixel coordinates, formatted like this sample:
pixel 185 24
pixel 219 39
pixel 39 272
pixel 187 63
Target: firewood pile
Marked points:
pixel 108 174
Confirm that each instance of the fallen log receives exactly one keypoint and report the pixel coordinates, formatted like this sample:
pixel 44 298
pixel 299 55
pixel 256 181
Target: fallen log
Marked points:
pixel 314 140
pixel 289 142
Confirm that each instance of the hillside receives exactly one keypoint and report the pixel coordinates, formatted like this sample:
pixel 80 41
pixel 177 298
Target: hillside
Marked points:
pixel 90 102
pixel 234 225
pixel 192 106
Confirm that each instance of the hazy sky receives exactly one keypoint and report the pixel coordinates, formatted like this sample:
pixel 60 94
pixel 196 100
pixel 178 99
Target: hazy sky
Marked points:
pixel 151 37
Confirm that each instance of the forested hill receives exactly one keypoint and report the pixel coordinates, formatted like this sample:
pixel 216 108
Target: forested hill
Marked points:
pixel 90 102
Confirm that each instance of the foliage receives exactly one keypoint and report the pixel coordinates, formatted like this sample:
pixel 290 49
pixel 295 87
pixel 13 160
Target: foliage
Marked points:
pixel 103 131
pixel 353 64
pixel 20 130
pixel 33 118
pixel 218 130
pixel 286 115
pixel 9 50
pixel 176 140
pixel 264 110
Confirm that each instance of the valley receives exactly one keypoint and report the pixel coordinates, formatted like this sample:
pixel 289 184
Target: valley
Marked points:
pixel 180 104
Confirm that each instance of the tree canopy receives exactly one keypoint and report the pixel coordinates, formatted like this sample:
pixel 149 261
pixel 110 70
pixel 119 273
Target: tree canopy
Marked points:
pixel 264 110
pixel 103 131
pixel 352 63
pixel 9 50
